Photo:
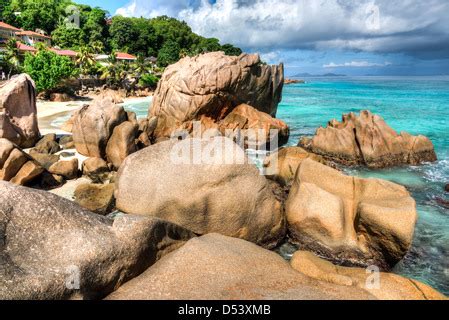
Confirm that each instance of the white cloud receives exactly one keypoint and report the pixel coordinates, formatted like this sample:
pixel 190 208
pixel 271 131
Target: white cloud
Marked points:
pixel 357 64
pixel 153 8
pixel 412 26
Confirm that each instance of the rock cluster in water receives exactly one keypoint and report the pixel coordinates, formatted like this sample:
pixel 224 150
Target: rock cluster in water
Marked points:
pixel 367 140
pixel 350 220
pixel 222 92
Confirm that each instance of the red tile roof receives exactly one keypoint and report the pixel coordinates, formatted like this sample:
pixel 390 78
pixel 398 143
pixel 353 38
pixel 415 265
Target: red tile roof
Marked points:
pixel 125 56
pixel 32 33
pixel 23 47
pixel 67 53
pixel 7 26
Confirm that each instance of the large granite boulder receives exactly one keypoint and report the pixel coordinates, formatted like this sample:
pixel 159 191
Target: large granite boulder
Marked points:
pixel 384 286
pixel 203 185
pixel 18 113
pixel 210 86
pixel 367 140
pixel 17 166
pixel 51 248
pixel 256 128
pixel 352 221
pixel 122 143
pixel 282 165
pixel 94 124
pixel 215 267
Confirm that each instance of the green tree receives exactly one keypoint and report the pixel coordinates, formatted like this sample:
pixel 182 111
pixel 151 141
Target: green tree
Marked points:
pixel 94 25
pixel 230 50
pixel 97 47
pixel 85 60
pixel 48 69
pixel 37 14
pixel 203 45
pixel 122 33
pixel 135 35
pixel 169 53
pixel 4 7
pixel 11 56
pixel 114 71
pixel 68 38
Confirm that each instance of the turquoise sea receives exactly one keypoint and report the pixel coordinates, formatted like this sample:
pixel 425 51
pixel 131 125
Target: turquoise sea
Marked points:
pixel 419 105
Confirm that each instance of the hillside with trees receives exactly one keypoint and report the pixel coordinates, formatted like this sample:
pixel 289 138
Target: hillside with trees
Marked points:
pixel 162 37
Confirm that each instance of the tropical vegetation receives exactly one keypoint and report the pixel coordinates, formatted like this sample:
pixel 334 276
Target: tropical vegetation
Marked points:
pixel 90 31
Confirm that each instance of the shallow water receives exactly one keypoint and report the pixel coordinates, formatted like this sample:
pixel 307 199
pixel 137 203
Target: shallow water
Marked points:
pixel 417 105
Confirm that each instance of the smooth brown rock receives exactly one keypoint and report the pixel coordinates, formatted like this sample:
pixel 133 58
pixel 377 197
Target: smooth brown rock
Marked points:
pixel 27 173
pixel 18 113
pixel 60 97
pixel 384 286
pixel 67 169
pixel 367 140
pixel 44 159
pixel 222 193
pixel 93 126
pixel 15 165
pixel 282 165
pixel 256 127
pixel 293 81
pixel 16 159
pixel 209 86
pixel 215 267
pixel 122 143
pixel 354 221
pixel 50 181
pixel 97 198
pixel 66 142
pixel 70 253
pixel 47 144
pixel 143 141
pixel 68 125
pixel 6 147
pixel 94 166
pixel 446 188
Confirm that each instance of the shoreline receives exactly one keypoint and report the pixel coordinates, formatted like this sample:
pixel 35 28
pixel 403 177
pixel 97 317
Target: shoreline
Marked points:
pixel 49 111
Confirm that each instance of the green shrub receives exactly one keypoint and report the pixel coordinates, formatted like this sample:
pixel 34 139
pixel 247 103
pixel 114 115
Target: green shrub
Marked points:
pixel 148 80
pixel 48 69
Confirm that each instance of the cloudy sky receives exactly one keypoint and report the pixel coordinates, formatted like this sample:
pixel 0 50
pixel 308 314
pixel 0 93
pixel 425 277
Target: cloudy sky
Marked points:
pixel 356 37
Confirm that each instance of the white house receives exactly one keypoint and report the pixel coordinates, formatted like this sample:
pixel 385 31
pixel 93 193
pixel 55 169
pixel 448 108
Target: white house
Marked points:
pixel 31 38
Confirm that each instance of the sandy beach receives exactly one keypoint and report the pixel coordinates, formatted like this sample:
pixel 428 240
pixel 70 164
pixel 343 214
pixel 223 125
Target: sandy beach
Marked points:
pixel 47 112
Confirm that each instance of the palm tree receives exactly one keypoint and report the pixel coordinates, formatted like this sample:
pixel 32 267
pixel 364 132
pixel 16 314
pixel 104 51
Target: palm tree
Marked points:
pixel 85 60
pixel 97 47
pixel 114 72
pixel 140 67
pixel 11 56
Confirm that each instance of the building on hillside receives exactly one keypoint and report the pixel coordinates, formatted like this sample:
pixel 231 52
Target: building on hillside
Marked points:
pixel 25 48
pixel 6 32
pixel 66 53
pixel 122 56
pixel 125 56
pixel 31 38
